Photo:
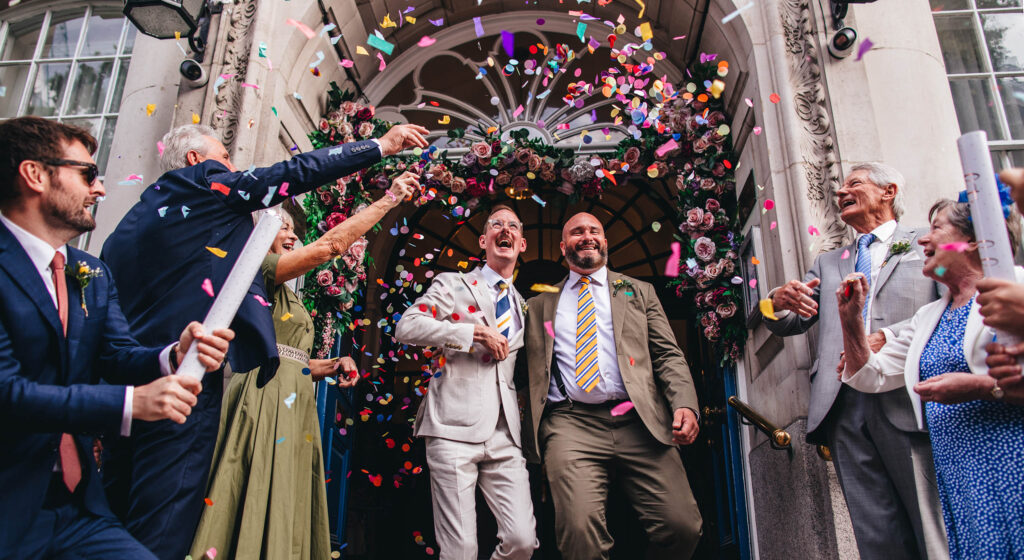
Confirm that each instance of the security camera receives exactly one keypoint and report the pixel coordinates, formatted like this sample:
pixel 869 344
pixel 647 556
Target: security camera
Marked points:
pixel 195 75
pixel 841 44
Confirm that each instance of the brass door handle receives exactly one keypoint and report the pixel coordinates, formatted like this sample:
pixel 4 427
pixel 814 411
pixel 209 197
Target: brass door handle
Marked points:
pixel 777 437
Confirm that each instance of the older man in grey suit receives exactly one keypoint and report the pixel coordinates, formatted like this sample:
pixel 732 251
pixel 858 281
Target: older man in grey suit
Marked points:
pixel 470 417
pixel 883 460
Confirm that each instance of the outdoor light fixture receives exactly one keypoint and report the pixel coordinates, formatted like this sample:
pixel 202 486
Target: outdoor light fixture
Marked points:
pixel 172 19
pixel 839 9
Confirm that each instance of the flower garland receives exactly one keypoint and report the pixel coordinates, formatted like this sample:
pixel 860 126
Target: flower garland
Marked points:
pixel 688 143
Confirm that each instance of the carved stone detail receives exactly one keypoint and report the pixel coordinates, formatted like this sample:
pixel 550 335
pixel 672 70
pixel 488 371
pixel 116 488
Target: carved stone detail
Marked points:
pixel 817 144
pixel 228 99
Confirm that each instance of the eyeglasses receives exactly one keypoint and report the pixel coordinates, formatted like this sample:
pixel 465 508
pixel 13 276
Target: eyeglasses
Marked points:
pixel 498 225
pixel 90 171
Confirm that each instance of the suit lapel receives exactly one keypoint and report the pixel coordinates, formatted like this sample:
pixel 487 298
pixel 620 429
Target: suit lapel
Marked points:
pixel 76 314
pixel 890 261
pixel 478 288
pixel 618 304
pixel 849 264
pixel 550 309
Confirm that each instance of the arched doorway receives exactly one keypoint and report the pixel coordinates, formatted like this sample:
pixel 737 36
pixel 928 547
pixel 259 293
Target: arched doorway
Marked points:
pixel 389 503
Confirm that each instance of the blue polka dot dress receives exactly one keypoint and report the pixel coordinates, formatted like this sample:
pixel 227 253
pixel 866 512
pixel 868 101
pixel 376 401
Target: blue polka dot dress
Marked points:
pixel 978 448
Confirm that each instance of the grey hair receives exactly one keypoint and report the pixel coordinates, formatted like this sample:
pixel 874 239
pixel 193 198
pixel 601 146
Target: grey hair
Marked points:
pixel 882 175
pixel 959 216
pixel 181 141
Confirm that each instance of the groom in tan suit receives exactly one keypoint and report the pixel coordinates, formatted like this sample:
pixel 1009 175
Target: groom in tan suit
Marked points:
pixel 611 344
pixel 470 417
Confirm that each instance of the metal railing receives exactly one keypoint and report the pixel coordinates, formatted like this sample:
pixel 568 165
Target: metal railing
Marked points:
pixel 777 437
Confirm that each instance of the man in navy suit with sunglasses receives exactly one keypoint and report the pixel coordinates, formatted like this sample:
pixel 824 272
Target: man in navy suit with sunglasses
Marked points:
pixel 61 331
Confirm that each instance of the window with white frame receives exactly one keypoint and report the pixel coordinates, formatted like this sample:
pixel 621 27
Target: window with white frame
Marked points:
pixel 66 63
pixel 983 48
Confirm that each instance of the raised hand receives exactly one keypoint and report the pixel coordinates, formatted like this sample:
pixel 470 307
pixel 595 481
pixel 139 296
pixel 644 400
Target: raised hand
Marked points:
pixel 798 297
pixel 404 187
pixel 851 295
pixel 402 137
pixel 1002 304
pixel 171 397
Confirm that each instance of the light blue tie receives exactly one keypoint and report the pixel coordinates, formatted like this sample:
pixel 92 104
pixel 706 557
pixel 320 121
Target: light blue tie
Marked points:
pixel 864 267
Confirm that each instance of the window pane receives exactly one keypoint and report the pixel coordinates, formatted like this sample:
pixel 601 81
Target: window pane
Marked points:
pixel 129 40
pixel 1012 92
pixel 106 139
pixel 1003 34
pixel 102 35
pixel 999 3
pixel 12 80
pixel 91 125
pixel 975 107
pixel 1017 158
pixel 960 48
pixel 24 35
pixel 90 90
pixel 63 34
pixel 48 89
pixel 941 5
pixel 122 73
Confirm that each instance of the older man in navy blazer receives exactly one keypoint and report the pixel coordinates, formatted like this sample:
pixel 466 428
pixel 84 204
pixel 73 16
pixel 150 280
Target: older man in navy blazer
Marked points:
pixel 58 337
pixel 190 226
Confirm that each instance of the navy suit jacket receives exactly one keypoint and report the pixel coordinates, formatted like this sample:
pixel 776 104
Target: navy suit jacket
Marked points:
pixel 159 254
pixel 49 383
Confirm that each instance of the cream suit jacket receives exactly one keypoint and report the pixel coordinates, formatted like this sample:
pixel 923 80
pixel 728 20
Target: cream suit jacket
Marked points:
pixel 462 404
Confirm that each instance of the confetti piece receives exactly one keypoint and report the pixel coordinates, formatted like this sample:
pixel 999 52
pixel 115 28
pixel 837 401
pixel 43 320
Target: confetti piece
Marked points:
pixel 162 211
pixel 286 316
pixel 248 85
pixel 444 120
pixel 622 408
pixel 544 288
pixel 940 271
pixel 195 118
pixel 767 309
pixel 864 47
pixel 327 29
pixel 383 64
pixel 672 264
pixel 549 329
pixel 752 283
pixel 208 501
pixel 643 7
pixel 361 50
pixel 283 191
pixel 773 225
pixel 219 252
pixel 754 260
pixel 436 22
pixel 149 109
pixel 478 26
pixel 645 31
pixel 735 14
pixel 845 255
pixel 774 98
pixel 380 44
pixel 184 211
pixel 281 440
pixel 757 131
pixel 208 287
pixel 387 22
pixel 270 196
pixel 811 230
pixel 212 553
pixel 769 204
pixel 958 246
pixel 656 227
pixel 289 400
pixel 301 27
pixel 426 41
pixel 346 63
pixel 508 42
pixel 517 112
pixel 319 59
pixel 581 30
pixel 260 299
pixel 666 148
pixel 221 188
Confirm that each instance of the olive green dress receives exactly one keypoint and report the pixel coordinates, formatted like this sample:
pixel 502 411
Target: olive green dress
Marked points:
pixel 266 486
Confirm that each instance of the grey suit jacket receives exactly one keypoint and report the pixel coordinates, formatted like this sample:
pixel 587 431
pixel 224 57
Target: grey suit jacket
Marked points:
pixel 901 289
pixel 462 403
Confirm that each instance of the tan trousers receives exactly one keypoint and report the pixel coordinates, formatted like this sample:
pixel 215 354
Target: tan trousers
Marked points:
pixel 582 446
pixel 497 465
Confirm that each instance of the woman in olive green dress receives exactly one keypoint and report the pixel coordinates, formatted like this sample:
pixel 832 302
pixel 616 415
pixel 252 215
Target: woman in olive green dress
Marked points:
pixel 267 498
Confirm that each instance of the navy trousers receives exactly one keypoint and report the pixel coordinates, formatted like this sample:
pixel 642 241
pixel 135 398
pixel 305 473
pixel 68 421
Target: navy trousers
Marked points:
pixel 156 479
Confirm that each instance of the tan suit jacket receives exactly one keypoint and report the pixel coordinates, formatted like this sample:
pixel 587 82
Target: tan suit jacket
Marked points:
pixel 653 368
pixel 462 404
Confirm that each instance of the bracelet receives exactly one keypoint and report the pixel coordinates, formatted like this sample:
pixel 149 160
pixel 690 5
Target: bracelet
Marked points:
pixel 391 195
pixel 997 392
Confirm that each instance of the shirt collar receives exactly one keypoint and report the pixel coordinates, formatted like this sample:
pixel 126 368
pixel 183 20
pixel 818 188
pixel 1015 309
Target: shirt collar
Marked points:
pixel 883 232
pixel 599 277
pixel 39 252
pixel 492 277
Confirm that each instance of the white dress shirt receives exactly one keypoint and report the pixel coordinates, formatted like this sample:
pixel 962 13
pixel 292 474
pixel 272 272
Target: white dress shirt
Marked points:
pixel 492 278
pixel 879 248
pixel 41 254
pixel 610 387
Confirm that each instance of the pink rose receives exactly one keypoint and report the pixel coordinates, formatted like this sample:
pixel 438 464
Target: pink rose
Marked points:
pixel 345 128
pixel 325 197
pixel 704 248
pixel 334 219
pixel 694 218
pixel 519 183
pixel 726 310
pixel 349 108
pixel 707 184
pixel 718 170
pixel 727 266
pixel 712 205
pixel 523 155
pixel 712 270
pixel 325 278
pixel 503 178
pixel 709 221
pixel 366 129
pixel 631 156
pixel 358 249
pixel 458 185
pixel 481 150
pixel 446 178
pixel 534 162
pixel 333 291
pixel 324 125
pixel 547 175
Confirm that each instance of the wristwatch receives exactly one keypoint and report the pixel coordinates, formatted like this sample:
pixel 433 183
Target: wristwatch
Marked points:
pixel 997 392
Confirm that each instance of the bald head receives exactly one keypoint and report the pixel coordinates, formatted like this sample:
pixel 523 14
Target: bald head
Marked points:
pixel 583 244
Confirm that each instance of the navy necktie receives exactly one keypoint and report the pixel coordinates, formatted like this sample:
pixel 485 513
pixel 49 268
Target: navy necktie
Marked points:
pixel 864 267
pixel 503 310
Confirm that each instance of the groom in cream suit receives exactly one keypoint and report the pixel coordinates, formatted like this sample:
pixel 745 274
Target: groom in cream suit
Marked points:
pixel 470 416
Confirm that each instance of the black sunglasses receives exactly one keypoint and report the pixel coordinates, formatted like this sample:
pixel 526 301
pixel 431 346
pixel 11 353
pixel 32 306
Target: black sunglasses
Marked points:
pixel 90 172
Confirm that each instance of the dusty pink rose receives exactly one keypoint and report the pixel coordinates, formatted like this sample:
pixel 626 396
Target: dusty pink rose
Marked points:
pixel 519 183
pixel 712 270
pixel 726 310
pixel 694 218
pixel 324 125
pixel 325 197
pixel 349 108
pixel 709 221
pixel 707 184
pixel 446 178
pixel 718 170
pixel 523 155
pixel 503 178
pixel 704 248
pixel 345 128
pixel 481 150
pixel 358 249
pixel 631 156
pixel 325 277
pixel 547 175
pixel 366 129
pixel 458 185
pixel 346 305
pixel 534 162
pixel 334 219
pixel 349 138
pixel 712 205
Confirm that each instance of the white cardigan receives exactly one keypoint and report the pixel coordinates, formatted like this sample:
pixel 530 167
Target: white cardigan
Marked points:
pixel 898 363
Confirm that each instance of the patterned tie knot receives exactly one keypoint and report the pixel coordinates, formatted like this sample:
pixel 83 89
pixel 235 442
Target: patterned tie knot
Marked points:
pixel 866 241
pixel 501 285
pixel 585 280
pixel 58 261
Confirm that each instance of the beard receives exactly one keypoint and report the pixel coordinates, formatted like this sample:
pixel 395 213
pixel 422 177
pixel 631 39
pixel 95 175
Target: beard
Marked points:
pixel 64 211
pixel 587 262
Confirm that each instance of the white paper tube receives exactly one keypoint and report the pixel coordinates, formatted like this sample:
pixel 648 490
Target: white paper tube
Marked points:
pixel 235 287
pixel 987 212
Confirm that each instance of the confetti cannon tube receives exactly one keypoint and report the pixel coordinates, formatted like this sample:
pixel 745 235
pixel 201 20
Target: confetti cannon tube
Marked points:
pixel 986 212
pixel 235 287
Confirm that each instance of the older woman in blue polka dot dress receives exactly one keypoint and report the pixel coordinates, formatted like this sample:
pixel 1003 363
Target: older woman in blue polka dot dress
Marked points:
pixel 976 428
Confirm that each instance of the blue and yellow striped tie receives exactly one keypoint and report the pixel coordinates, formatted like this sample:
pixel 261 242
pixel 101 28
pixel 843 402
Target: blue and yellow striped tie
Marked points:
pixel 587 374
pixel 503 310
